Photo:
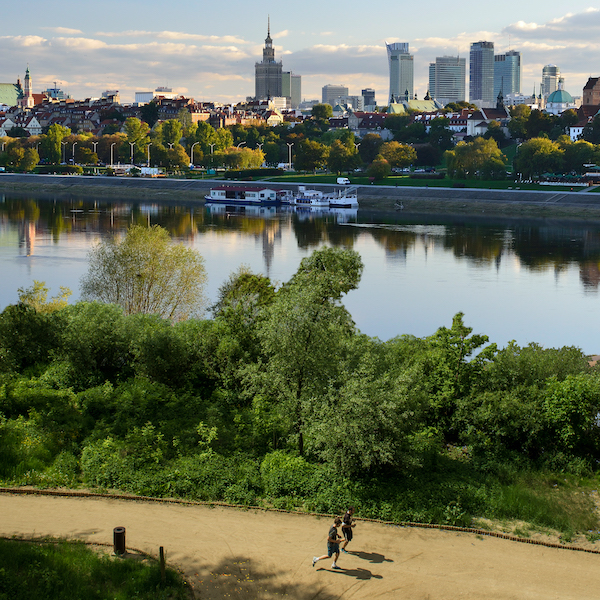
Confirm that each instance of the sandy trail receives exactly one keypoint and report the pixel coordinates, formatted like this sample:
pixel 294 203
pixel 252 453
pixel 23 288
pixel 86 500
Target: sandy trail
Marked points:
pixel 229 553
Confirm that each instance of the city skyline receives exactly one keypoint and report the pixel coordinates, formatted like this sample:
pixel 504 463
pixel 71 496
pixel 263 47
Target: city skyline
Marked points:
pixel 212 56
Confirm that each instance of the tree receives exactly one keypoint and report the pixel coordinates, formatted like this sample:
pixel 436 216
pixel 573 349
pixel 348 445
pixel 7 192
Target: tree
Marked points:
pixel 480 158
pixel 137 134
pixel 172 130
pixel 379 169
pixel 305 327
pixel 36 296
pixel 310 155
pixel 149 113
pixel 440 134
pixel 341 158
pixel 397 154
pixel 51 143
pixel 30 160
pixel 369 147
pixel 322 112
pixel 537 156
pixel 146 273
pixel 494 131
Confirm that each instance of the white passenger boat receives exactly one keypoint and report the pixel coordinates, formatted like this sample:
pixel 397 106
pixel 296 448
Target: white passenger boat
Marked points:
pixel 236 194
pixel 344 198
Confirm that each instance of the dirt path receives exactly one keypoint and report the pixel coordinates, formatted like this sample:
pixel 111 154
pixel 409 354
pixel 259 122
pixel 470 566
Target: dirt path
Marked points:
pixel 229 553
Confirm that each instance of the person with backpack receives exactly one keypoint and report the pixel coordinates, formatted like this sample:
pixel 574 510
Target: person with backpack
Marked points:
pixel 333 545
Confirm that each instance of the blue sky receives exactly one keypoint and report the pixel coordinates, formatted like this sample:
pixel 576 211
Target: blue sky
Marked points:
pixel 208 50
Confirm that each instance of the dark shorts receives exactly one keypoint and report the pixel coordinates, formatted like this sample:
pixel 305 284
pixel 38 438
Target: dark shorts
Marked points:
pixel 332 549
pixel 347 531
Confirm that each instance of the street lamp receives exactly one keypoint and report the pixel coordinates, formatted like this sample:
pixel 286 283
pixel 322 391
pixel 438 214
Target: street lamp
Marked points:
pixel 240 144
pixel 290 145
pixel 148 150
pixel 170 146
pixel 211 147
pixel 192 153
pixel 111 153
pixel 260 146
pixel 63 144
pixel 132 144
pixel 95 144
pixel 74 144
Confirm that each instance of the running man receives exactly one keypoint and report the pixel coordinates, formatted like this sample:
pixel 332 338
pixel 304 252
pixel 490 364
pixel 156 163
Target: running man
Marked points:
pixel 333 545
pixel 347 525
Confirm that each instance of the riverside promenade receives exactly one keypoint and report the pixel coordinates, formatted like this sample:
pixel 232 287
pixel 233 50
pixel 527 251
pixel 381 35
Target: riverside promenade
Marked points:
pixel 584 203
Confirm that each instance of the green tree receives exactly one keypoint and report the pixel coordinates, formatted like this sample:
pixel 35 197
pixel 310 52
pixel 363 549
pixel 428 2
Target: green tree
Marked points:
pixel 51 143
pixel 305 327
pixel 379 169
pixel 310 155
pixel 30 160
pixel 341 157
pixel 146 273
pixel 538 156
pixel 172 130
pixel 137 134
pixel 480 158
pixel 36 296
pixel 397 154
pixel 440 135
pixel 494 131
pixel 149 113
pixel 369 147
pixel 322 112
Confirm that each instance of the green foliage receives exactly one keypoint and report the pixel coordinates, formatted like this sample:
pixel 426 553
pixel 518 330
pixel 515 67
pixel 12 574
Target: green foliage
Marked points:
pixel 379 169
pixel 287 475
pixel 479 159
pixel 538 156
pixel 55 571
pixel 146 273
pixel 322 112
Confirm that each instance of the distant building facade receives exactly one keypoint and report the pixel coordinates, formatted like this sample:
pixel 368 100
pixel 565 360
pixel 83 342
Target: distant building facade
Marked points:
pixel 291 88
pixel 368 95
pixel 268 72
pixel 401 67
pixel 591 91
pixel 481 74
pixel 447 79
pixel 330 93
pixel 550 80
pixel 507 73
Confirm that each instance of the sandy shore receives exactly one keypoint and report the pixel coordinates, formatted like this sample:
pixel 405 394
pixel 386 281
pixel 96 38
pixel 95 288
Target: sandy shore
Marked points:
pixel 251 554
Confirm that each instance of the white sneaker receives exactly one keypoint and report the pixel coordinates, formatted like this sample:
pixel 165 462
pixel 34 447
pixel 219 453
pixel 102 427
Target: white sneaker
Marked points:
pixel 315 559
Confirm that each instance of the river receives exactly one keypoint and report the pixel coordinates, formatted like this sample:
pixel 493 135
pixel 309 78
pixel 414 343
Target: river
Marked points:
pixel 532 280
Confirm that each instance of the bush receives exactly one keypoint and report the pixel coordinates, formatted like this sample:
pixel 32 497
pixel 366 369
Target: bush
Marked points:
pixel 287 475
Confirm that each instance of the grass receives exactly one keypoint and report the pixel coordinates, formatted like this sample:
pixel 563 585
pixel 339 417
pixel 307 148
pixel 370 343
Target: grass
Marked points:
pixel 55 571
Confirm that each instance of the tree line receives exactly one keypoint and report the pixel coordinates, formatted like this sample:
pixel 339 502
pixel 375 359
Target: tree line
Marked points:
pixel 278 398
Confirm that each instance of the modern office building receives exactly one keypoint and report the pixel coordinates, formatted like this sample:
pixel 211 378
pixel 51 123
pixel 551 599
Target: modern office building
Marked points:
pixel 401 72
pixel 369 97
pixel 329 93
pixel 268 72
pixel 481 74
pixel 507 73
pixel 447 79
pixel 550 79
pixel 291 88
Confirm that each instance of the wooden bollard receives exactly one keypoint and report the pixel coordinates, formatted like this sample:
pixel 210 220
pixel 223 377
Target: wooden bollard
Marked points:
pixel 161 553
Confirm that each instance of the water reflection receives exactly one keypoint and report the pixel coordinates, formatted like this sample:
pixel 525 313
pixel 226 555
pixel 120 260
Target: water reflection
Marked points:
pixel 523 278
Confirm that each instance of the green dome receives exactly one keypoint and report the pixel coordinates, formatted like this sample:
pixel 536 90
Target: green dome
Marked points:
pixel 560 97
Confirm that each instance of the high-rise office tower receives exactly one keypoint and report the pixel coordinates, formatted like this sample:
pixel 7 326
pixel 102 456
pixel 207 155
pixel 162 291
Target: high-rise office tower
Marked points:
pixel 481 74
pixel 329 93
pixel 507 73
pixel 369 95
pixel 291 88
pixel 268 71
pixel 447 76
pixel 550 79
pixel 401 72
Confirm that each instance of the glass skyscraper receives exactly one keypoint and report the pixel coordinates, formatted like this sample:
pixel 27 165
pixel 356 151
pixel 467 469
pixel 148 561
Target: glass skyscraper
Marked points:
pixel 481 74
pixel 447 79
pixel 401 72
pixel 507 73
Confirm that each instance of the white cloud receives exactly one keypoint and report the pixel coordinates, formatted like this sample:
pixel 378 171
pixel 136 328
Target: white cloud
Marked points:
pixel 173 35
pixel 63 30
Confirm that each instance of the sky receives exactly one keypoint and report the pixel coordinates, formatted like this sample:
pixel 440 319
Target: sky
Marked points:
pixel 207 50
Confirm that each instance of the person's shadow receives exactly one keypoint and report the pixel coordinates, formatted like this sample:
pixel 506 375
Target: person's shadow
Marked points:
pixel 363 574
pixel 372 557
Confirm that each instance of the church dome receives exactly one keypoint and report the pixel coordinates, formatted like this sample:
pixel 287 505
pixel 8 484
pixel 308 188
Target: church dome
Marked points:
pixel 560 97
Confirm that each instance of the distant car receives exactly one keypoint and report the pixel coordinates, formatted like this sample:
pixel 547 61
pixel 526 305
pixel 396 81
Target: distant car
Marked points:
pixel 343 181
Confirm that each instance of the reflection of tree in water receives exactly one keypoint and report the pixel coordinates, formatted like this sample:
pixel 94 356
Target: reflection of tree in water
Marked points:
pixel 313 229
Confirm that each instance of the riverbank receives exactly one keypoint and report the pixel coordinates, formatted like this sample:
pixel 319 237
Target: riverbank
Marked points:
pixel 511 203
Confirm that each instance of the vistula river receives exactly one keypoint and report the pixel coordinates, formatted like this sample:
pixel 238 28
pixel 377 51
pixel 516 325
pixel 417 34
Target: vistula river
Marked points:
pixel 529 280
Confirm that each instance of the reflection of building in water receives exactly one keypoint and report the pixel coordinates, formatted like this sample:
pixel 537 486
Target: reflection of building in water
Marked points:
pixel 589 274
pixel 27 232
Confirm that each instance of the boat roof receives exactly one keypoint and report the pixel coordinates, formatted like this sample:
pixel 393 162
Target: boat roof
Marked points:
pixel 242 188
